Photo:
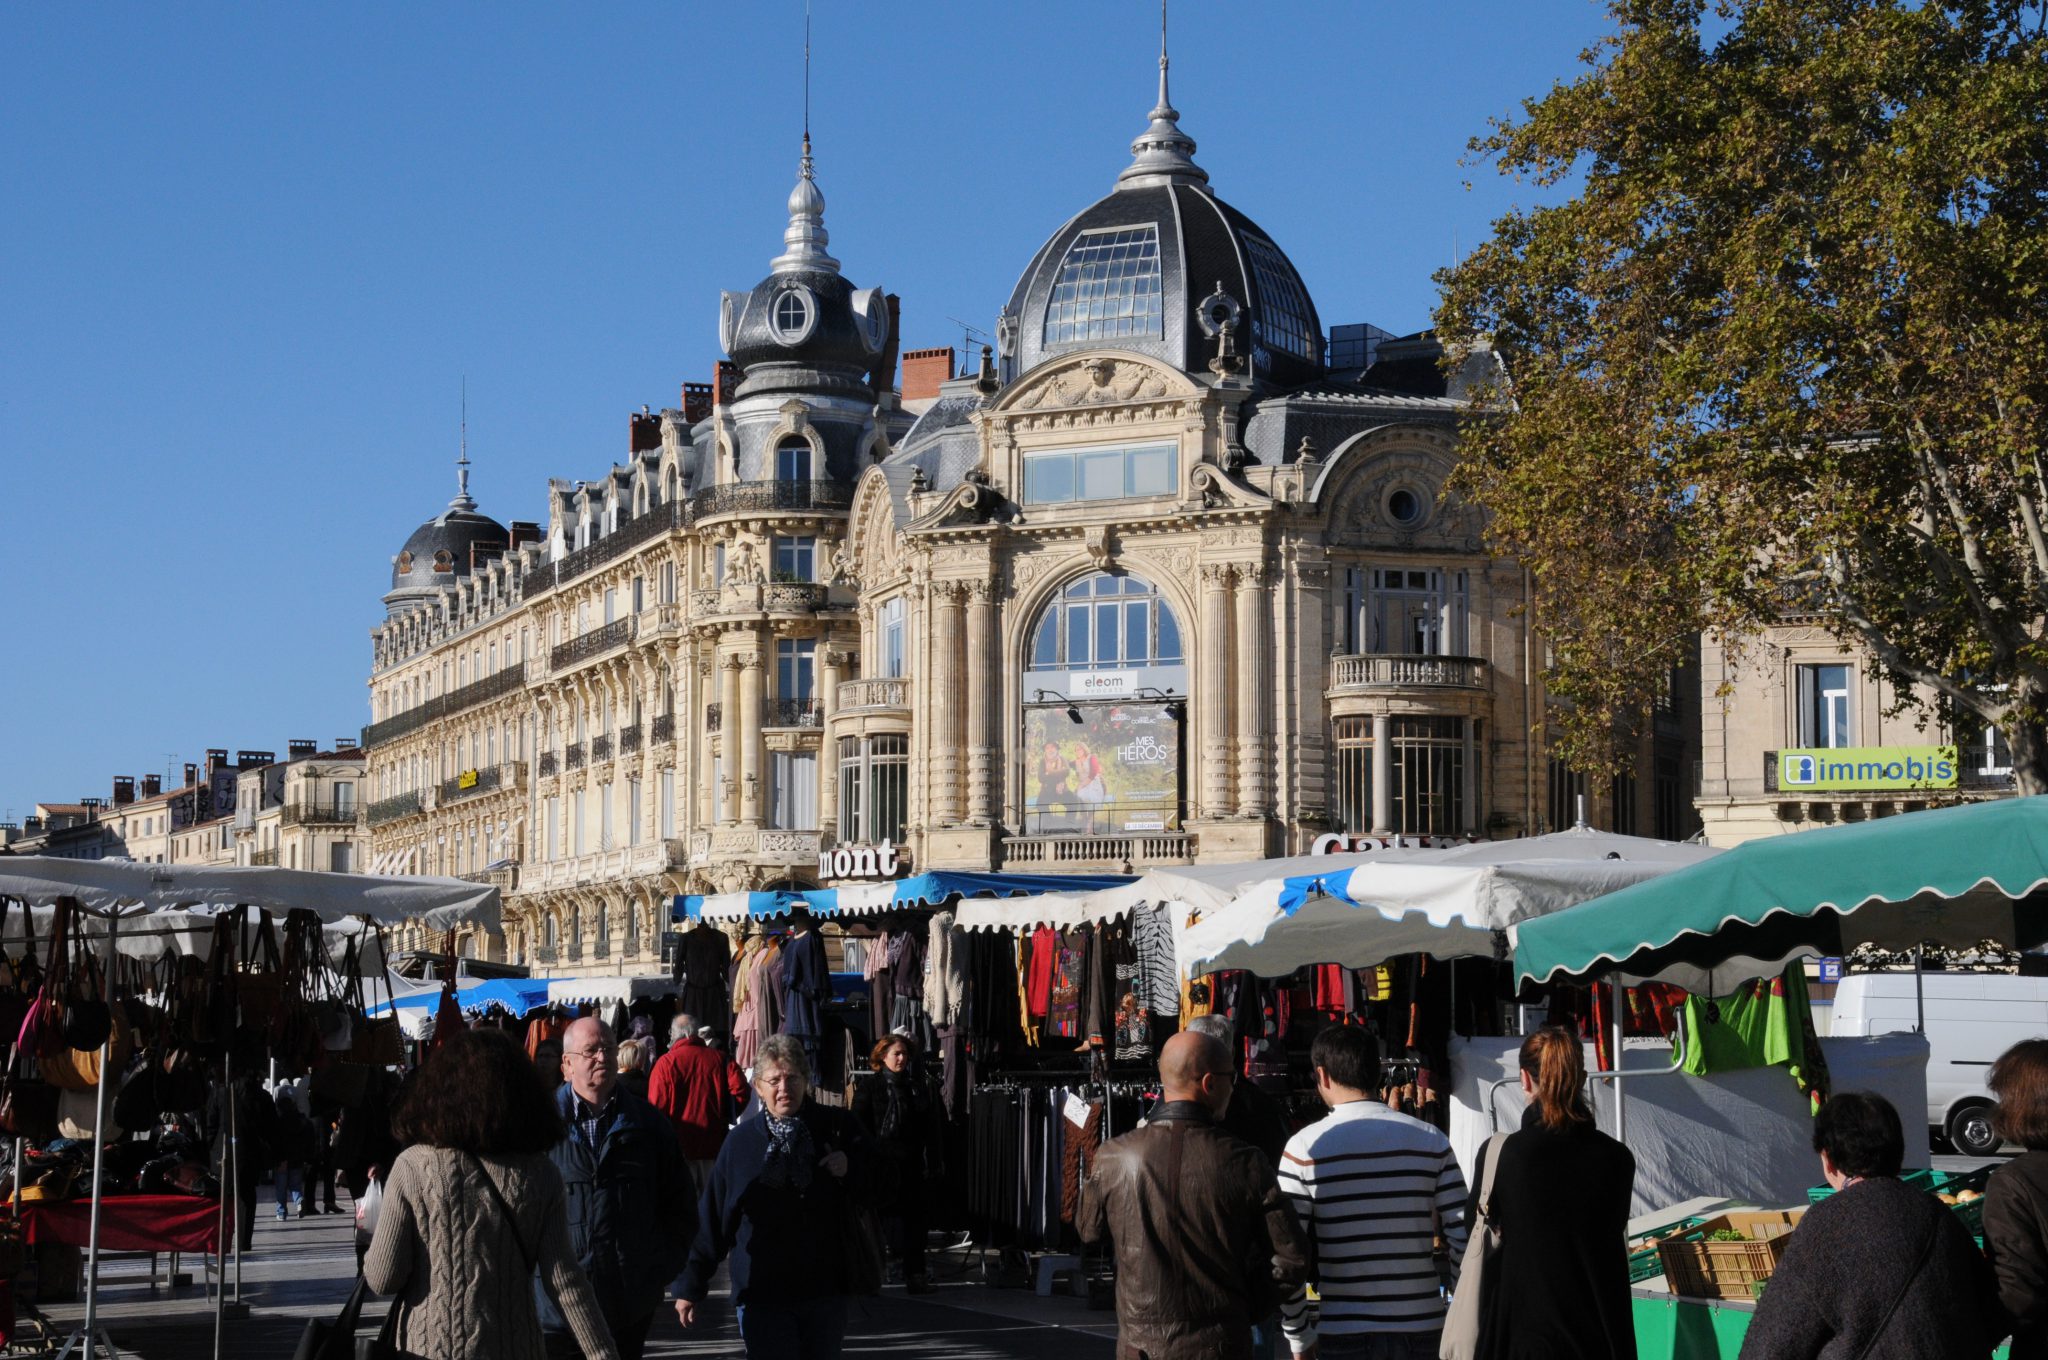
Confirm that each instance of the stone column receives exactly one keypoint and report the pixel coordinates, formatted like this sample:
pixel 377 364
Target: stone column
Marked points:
pixel 947 680
pixel 726 807
pixel 980 678
pixel 749 733
pixel 1382 775
pixel 1253 683
pixel 1212 681
pixel 832 669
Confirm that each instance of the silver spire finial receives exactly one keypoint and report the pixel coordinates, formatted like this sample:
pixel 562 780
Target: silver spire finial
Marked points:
pixel 462 499
pixel 805 238
pixel 1162 154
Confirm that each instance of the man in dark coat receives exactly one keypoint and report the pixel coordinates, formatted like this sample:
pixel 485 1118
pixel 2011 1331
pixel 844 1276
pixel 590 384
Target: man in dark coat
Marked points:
pixel 630 1199
pixel 1206 1244
pixel 1877 1270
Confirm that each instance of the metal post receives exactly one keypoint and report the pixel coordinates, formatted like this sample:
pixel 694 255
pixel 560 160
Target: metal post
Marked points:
pixel 1919 991
pixel 1620 1103
pixel 99 1152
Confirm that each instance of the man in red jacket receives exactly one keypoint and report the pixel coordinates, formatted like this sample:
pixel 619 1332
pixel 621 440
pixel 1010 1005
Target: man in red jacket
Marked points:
pixel 700 1089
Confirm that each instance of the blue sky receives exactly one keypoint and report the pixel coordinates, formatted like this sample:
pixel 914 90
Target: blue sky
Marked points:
pixel 249 253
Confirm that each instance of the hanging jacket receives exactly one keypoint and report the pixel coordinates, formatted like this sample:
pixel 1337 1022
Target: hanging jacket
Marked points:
pixel 945 971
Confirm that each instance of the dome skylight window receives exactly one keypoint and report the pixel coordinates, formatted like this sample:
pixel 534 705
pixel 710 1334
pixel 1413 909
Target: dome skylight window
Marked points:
pixel 1108 287
pixel 792 316
pixel 1281 318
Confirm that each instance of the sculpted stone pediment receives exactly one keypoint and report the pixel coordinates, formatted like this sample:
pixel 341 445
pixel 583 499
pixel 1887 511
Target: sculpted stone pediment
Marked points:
pixel 1096 380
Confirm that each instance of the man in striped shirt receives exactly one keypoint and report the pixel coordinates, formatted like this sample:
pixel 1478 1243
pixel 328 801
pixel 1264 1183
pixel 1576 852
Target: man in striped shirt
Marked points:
pixel 1372 1189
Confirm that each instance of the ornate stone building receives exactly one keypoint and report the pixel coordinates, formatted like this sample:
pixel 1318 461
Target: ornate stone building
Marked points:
pixel 1167 578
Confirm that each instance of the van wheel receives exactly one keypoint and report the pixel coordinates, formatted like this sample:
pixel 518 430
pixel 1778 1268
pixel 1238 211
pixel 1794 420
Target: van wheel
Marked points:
pixel 1970 1130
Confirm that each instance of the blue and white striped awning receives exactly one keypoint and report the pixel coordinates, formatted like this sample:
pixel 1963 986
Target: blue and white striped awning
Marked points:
pixel 866 899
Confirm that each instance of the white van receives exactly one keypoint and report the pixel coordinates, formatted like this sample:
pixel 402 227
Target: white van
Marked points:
pixel 1971 1019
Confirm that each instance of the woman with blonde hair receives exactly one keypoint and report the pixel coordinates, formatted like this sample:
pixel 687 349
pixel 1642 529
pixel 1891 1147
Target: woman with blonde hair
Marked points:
pixel 1558 1288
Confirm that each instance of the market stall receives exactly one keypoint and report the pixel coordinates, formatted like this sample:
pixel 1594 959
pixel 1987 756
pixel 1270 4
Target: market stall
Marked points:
pixel 1731 926
pixel 220 968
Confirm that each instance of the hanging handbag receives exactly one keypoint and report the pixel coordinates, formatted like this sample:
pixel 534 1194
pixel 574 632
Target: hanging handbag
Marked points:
pixel 78 1113
pixel 1461 1322
pixel 259 987
pixel 336 1339
pixel 78 1069
pixel 28 1105
pixel 42 1033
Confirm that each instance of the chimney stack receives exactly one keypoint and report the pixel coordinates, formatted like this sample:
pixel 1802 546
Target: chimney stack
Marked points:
pixel 124 789
pixel 344 743
pixel 191 775
pixel 298 748
pixel 924 370
pixel 643 432
pixel 251 760
pixel 152 785
pixel 725 380
pixel 216 759
pixel 696 402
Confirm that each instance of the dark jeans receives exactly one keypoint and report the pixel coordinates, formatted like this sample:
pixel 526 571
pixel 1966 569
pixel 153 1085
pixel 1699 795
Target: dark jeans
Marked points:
pixel 794 1331
pixel 629 1337
pixel 913 1213
pixel 1383 1346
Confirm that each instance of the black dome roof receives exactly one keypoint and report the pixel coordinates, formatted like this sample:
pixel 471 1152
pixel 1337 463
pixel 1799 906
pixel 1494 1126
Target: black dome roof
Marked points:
pixel 439 551
pixel 1180 239
pixel 1138 269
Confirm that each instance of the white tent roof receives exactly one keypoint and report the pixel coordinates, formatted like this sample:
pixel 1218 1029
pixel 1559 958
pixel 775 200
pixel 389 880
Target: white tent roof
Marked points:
pixel 571 991
pixel 1360 910
pixel 106 885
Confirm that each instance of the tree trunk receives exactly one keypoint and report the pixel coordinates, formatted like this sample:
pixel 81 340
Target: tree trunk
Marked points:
pixel 2029 744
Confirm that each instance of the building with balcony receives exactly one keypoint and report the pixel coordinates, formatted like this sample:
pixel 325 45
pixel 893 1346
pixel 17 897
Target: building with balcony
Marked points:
pixel 1169 576
pixel 1800 730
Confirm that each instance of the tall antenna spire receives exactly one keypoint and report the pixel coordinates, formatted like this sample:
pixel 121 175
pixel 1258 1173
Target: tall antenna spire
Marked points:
pixel 1162 154
pixel 805 238
pixel 462 499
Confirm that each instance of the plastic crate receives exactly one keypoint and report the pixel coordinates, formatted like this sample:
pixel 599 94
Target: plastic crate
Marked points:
pixel 1644 1262
pixel 1970 1212
pixel 1698 1268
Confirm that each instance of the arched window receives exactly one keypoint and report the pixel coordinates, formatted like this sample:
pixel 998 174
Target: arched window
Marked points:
pixel 793 459
pixel 1107 622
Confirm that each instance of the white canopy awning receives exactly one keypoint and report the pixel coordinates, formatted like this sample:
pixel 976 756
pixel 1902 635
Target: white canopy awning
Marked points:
pixel 106 885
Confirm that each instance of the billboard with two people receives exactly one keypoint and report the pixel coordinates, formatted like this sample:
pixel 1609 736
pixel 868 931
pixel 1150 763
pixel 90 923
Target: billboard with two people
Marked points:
pixel 1116 770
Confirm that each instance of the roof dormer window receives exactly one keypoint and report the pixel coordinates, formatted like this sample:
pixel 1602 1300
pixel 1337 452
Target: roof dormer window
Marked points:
pixel 792 316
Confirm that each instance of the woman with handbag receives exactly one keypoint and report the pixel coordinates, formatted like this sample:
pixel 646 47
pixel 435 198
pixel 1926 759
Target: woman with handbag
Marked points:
pixel 472 1207
pixel 1556 1287
pixel 782 1201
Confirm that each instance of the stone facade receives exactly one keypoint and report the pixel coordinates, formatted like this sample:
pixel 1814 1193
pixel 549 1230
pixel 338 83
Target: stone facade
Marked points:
pixel 1159 583
pixel 1797 686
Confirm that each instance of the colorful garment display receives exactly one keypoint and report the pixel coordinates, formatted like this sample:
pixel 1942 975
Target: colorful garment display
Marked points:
pixel 1767 1022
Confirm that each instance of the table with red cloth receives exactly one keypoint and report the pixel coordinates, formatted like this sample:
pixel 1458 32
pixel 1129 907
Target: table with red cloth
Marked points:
pixel 127 1222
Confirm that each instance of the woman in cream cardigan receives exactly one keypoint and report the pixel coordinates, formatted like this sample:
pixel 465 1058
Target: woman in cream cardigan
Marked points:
pixel 473 1206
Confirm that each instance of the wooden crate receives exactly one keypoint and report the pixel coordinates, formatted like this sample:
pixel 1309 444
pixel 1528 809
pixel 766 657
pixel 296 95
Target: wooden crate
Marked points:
pixel 1697 1268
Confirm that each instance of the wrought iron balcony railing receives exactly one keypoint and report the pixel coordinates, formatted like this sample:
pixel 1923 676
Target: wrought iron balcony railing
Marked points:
pixel 263 858
pixel 629 739
pixel 712 714
pixel 320 814
pixel 596 642
pixel 792 712
pixel 544 953
pixel 572 756
pixel 600 749
pixel 507 681
pixel 550 763
pixel 630 534
pixel 742 497
pixel 391 809
pixel 470 783
pixel 664 728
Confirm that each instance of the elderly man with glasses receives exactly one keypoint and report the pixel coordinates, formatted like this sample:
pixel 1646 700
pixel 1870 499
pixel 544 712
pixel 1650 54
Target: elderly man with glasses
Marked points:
pixel 631 1204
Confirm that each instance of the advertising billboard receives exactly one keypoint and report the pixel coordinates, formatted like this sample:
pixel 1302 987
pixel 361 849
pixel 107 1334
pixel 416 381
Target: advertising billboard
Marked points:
pixel 1116 770
pixel 1865 768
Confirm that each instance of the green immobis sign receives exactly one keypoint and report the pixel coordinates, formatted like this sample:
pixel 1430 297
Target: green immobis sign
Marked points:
pixel 1844 768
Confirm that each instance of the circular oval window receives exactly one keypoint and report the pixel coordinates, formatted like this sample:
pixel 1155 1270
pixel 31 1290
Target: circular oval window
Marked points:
pixel 792 315
pixel 1404 506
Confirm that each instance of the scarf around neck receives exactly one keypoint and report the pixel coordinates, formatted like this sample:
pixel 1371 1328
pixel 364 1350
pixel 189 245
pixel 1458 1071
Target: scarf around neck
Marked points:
pixel 790 1160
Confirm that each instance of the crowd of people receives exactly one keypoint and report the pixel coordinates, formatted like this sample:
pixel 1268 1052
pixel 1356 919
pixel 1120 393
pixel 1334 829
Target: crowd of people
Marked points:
pixel 557 1209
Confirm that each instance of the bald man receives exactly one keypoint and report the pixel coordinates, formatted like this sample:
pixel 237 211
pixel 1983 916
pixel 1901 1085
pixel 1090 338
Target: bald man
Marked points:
pixel 632 1203
pixel 1205 1242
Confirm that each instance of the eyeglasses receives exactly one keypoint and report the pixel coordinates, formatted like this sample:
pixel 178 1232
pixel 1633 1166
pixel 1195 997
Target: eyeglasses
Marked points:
pixel 605 1051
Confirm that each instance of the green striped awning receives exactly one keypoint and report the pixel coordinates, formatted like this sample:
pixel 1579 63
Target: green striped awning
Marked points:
pixel 1953 877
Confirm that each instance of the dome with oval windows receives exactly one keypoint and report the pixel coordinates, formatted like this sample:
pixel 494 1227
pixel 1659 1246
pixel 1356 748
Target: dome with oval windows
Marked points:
pixel 443 550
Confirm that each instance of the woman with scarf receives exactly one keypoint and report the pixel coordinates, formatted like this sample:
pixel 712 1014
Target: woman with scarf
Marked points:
pixel 899 1108
pixel 779 1201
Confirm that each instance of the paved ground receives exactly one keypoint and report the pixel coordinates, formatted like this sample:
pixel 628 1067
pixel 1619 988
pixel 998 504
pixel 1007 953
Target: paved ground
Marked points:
pixel 305 1268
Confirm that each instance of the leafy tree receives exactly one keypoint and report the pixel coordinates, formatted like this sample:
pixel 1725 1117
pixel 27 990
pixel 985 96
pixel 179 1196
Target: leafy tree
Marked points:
pixel 1782 350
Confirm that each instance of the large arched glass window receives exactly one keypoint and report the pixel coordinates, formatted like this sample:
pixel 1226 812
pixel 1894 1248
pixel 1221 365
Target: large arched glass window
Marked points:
pixel 1106 622
pixel 1107 287
pixel 793 459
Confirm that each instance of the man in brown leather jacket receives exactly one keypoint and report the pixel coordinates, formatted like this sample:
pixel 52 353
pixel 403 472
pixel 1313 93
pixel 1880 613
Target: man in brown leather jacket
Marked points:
pixel 1205 1242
